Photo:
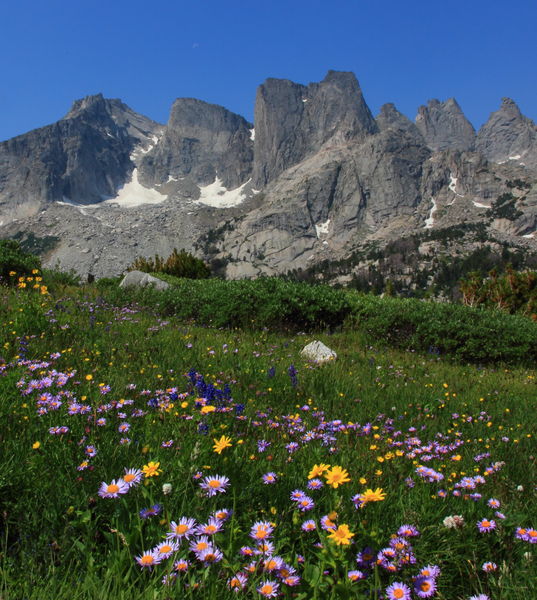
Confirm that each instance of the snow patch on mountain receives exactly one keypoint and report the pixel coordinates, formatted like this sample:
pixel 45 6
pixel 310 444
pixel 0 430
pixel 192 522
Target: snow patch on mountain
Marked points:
pixel 322 228
pixel 134 193
pixel 217 196
pixel 429 221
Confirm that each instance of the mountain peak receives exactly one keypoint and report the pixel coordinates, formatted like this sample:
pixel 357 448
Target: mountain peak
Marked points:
pixel 390 118
pixel 444 126
pixel 508 135
pixel 88 103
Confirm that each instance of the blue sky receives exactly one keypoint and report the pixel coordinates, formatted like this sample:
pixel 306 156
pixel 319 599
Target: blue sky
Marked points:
pixel 149 53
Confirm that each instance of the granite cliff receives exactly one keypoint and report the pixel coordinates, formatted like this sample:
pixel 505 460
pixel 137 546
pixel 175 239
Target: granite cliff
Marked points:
pixel 315 180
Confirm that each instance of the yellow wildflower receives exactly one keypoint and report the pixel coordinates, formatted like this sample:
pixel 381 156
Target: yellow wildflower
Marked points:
pixel 341 536
pixel 152 469
pixel 370 495
pixel 221 444
pixel 336 476
pixel 318 470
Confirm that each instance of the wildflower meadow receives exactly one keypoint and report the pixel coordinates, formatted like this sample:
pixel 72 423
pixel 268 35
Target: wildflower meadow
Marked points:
pixel 146 456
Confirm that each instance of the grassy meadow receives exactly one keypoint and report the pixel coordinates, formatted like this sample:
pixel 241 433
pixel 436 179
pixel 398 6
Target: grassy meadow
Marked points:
pixel 146 456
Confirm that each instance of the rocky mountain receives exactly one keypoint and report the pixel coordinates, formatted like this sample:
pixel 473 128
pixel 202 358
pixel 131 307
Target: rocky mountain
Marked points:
pixel 444 126
pixel 509 135
pixel 315 183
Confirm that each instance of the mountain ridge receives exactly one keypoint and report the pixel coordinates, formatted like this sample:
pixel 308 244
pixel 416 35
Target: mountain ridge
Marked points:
pixel 314 178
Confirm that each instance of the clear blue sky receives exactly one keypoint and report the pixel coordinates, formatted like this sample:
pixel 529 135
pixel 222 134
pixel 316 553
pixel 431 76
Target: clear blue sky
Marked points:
pixel 149 53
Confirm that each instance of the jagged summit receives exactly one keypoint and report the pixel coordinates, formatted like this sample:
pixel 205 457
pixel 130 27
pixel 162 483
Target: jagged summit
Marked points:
pixel 509 135
pixel 316 178
pixel 293 121
pixel 201 142
pixel 390 118
pixel 444 126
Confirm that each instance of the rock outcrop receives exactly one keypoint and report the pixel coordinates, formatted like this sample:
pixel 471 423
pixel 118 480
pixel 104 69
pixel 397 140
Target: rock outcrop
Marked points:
pixel 444 126
pixel 509 135
pixel 294 121
pixel 83 158
pixel 201 142
pixel 140 279
pixel 318 352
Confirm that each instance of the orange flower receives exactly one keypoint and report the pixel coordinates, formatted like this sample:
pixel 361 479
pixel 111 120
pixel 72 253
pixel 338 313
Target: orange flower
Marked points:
pixel 221 444
pixel 341 536
pixel 152 469
pixel 336 476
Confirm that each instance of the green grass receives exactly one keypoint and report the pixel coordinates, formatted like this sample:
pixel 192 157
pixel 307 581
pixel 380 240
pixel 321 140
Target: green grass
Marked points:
pixel 60 539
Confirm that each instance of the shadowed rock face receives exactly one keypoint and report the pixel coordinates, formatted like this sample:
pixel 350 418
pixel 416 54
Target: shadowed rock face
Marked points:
pixel 444 126
pixel 508 135
pixel 201 141
pixel 390 118
pixel 293 121
pixel 82 157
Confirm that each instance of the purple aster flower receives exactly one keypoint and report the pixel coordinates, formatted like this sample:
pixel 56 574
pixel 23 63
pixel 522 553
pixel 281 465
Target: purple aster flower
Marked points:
pixel 152 511
pixel 305 503
pixel 424 587
pixel 113 489
pixel 309 525
pixel 181 565
pixel 237 582
pixel 398 591
pixel 166 549
pixel 269 478
pixel 185 527
pixel 210 555
pixel 133 477
pixel 212 527
pixel 430 571
pixel 408 531
pixel 215 484
pixel 268 589
pixel 489 567
pixel 486 525
pixel 262 445
pixel 148 559
pixel 90 451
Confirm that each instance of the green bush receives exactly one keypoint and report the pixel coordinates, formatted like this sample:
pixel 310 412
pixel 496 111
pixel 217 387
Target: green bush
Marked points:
pixel 14 260
pixel 468 334
pixel 178 264
pixel 265 302
pixel 56 279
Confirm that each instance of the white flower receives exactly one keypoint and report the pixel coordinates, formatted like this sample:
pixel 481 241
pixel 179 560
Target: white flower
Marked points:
pixel 166 489
pixel 453 522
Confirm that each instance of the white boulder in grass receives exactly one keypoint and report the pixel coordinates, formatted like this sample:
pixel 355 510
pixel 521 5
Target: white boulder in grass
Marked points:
pixel 140 279
pixel 318 352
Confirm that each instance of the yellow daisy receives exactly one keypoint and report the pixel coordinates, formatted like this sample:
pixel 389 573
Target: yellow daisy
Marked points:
pixel 336 476
pixel 341 536
pixel 152 469
pixel 221 444
pixel 318 470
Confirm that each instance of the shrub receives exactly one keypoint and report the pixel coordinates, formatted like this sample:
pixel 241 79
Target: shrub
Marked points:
pixel 179 264
pixel 468 334
pixel 266 302
pixel 14 260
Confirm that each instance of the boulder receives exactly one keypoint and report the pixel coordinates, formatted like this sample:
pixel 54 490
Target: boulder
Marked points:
pixel 139 279
pixel 318 352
